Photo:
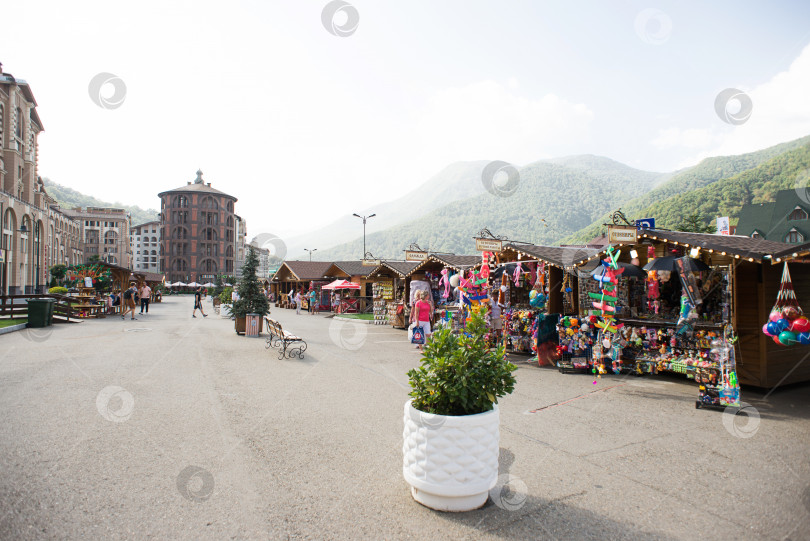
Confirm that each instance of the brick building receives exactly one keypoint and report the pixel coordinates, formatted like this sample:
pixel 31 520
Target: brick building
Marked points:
pixel 36 234
pixel 197 232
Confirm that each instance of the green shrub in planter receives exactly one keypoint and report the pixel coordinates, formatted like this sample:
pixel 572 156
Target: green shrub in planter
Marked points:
pixel 225 296
pixel 459 374
pixel 58 290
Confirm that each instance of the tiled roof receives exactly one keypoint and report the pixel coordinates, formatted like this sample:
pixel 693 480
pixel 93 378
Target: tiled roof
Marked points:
pixel 457 262
pixel 401 268
pixel 770 219
pixel 795 250
pixel 197 188
pixel 560 256
pixel 735 245
pixel 354 268
pixel 307 270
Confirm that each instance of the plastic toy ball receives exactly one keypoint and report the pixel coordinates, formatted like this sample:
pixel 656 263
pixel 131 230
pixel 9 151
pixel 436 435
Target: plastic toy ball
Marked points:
pixel 454 280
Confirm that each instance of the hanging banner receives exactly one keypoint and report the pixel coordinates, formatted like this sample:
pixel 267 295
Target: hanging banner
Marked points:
pixel 371 262
pixel 723 226
pixel 412 255
pixel 488 245
pixel 622 234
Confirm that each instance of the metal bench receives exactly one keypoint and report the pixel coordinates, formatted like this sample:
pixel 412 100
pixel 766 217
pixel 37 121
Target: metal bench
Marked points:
pixel 288 344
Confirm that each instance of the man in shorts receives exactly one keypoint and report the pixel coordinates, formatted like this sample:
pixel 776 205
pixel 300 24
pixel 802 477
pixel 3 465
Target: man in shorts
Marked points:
pixel 146 294
pixel 129 301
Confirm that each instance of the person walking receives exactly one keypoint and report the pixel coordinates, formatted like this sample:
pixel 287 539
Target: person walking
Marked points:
pixel 313 302
pixel 146 294
pixel 198 303
pixel 298 302
pixel 420 314
pixel 129 301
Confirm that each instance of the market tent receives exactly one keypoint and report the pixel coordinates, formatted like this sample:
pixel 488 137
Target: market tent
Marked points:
pixel 180 284
pixel 209 284
pixel 341 284
pixel 193 284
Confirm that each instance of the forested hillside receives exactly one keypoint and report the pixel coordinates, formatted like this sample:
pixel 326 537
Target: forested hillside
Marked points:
pixel 703 174
pixel 69 198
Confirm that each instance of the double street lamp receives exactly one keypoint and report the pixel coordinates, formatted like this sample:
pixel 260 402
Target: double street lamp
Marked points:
pixel 310 252
pixel 364 218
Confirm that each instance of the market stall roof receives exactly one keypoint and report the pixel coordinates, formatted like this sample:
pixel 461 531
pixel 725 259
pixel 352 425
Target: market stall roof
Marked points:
pixel 153 277
pixel 400 268
pixel 354 268
pixel 795 251
pixel 729 245
pixel 302 271
pixel 455 262
pixel 737 246
pixel 564 257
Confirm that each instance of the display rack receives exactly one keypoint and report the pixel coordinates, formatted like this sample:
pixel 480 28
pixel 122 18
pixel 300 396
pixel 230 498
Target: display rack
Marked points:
pixel 383 292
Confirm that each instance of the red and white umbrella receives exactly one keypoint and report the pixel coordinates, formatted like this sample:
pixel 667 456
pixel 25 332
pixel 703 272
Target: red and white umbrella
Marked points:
pixel 341 284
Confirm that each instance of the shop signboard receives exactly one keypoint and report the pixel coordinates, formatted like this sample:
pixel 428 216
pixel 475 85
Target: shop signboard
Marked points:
pixel 413 255
pixel 488 245
pixel 622 234
pixel 723 226
pixel 371 262
pixel 645 223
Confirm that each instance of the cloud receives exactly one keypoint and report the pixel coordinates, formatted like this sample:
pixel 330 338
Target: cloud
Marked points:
pixel 781 112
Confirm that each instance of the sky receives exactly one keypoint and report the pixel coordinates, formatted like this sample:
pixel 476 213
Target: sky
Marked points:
pixel 307 117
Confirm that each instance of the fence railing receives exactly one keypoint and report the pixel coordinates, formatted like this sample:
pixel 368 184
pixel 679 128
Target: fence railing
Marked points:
pixel 15 307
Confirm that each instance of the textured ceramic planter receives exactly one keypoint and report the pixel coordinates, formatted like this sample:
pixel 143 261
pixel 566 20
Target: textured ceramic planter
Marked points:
pixel 451 462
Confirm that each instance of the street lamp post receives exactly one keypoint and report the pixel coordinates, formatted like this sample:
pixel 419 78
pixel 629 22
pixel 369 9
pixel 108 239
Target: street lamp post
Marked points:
pixel 310 252
pixel 364 218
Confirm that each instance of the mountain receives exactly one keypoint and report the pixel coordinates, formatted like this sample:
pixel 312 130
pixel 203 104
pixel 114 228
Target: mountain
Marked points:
pixel 726 197
pixel 553 199
pixel 456 181
pixel 69 198
pixel 705 173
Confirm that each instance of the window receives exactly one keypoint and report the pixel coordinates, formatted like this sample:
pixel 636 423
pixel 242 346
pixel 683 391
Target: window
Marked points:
pixel 794 236
pixel 19 127
pixel 756 235
pixel 797 214
pixel 1 125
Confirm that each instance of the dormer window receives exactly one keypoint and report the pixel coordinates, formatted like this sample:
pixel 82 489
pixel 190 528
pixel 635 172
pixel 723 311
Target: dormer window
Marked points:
pixel 794 237
pixel 756 235
pixel 798 214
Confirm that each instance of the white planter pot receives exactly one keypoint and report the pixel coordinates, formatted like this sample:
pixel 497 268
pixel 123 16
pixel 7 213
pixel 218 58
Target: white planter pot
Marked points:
pixel 451 462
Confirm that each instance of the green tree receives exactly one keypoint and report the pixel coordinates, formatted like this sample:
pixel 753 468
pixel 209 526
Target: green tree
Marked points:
pixel 694 223
pixel 58 272
pixel 251 296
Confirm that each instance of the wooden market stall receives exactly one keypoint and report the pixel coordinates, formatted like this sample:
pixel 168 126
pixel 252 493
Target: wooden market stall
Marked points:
pixel 744 274
pixel 554 265
pixel 355 271
pixel 389 280
pixel 295 276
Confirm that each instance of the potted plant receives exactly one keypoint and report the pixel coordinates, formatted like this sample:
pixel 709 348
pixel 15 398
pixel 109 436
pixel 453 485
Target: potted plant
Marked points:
pixel 251 297
pixel 451 435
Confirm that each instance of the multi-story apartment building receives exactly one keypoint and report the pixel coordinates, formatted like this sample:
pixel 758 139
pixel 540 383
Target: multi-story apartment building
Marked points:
pixel 240 246
pixel 145 246
pixel 105 233
pixel 36 234
pixel 197 232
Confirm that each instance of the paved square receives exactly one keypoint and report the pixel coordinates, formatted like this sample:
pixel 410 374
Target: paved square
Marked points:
pixel 173 427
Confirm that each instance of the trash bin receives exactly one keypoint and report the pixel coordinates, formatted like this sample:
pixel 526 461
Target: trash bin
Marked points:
pixel 40 312
pixel 252 325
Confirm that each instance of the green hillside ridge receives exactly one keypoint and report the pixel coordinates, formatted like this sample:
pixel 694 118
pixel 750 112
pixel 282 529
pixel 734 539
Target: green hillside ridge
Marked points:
pixel 705 173
pixel 568 198
pixel 727 196
pixel 69 198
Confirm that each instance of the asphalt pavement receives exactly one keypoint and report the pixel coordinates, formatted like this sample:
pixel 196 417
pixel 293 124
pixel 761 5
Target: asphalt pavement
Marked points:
pixel 170 427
